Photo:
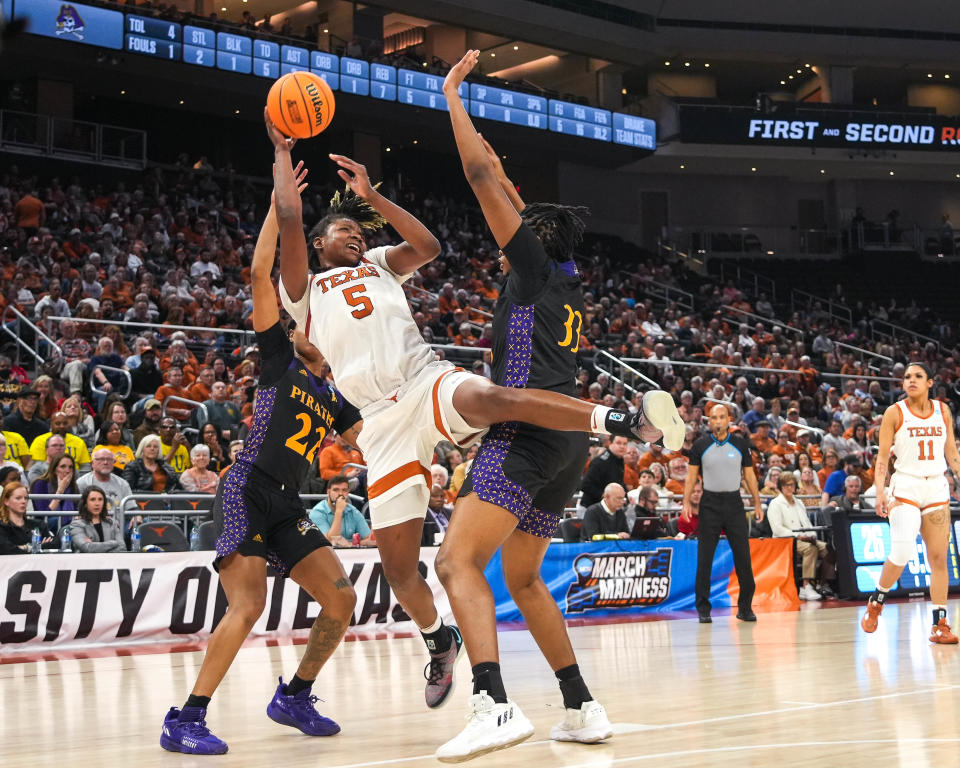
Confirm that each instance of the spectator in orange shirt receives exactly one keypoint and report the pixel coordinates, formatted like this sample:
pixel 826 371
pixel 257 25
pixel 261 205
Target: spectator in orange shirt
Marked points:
pixel 180 357
pixel 678 475
pixel 761 439
pixel 335 456
pixel 174 387
pixel 812 450
pixel 631 471
pixel 447 300
pixel 654 456
pixel 76 251
pixel 200 389
pixel 29 213
pixel 784 449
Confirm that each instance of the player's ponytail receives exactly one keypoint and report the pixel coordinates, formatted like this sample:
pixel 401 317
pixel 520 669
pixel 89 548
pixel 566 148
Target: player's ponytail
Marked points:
pixel 559 227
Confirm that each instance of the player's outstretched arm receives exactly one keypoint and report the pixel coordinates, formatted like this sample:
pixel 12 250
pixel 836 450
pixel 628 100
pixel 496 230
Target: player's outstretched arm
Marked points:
pixel 265 312
pixel 498 210
pixel 508 187
pixel 294 266
pixel 419 245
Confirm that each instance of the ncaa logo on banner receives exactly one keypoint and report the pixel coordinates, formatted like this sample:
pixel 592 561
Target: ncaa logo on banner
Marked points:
pixel 619 580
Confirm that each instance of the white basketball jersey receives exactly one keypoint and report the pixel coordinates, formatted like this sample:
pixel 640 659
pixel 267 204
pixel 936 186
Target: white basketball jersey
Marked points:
pixel 359 319
pixel 919 443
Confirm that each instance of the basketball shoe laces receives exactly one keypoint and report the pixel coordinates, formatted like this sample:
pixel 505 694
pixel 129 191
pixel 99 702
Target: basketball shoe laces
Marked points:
pixel 304 702
pixel 195 728
pixel 434 671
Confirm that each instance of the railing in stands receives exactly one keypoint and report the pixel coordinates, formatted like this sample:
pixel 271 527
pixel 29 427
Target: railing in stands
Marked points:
pixel 662 291
pixel 666 248
pixel 622 373
pixel 29 133
pixel 755 318
pixel 14 317
pixel 897 330
pixel 836 310
pixel 122 371
pixel 862 352
pixel 247 337
pixel 753 369
pixel 731 270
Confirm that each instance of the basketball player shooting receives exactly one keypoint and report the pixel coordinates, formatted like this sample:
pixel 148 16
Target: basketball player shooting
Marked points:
pixel 356 313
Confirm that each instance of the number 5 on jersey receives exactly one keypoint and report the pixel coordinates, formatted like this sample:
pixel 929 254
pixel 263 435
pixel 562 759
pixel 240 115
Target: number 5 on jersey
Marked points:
pixel 355 297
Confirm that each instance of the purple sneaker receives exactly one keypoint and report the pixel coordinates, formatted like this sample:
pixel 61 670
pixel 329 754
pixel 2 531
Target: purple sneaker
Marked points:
pixel 298 712
pixel 188 733
pixel 439 672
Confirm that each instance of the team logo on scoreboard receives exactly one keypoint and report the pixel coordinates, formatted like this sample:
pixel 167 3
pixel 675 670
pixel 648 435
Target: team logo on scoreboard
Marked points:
pixel 619 580
pixel 69 22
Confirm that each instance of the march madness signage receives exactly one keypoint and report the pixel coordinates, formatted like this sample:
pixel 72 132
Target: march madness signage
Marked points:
pixel 623 577
pixel 619 580
pixel 76 600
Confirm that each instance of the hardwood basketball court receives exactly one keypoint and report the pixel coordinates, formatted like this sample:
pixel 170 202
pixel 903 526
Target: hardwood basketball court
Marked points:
pixel 799 688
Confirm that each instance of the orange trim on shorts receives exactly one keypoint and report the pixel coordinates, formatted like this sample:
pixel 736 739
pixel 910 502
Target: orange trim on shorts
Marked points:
pixel 932 506
pixel 437 417
pixel 405 472
pixel 907 501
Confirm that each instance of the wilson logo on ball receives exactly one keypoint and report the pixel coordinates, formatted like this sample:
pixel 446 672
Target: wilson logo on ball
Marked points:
pixel 300 104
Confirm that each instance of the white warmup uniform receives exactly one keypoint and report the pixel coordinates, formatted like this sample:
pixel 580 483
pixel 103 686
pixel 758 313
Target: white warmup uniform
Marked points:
pixel 918 485
pixel 359 319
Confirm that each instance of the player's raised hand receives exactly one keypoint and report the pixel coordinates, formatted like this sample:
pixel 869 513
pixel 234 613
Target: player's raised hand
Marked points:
pixel 355 175
pixel 278 140
pixel 299 173
pixel 460 70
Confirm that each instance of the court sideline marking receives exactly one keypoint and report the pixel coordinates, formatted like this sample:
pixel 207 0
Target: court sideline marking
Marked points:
pixel 634 727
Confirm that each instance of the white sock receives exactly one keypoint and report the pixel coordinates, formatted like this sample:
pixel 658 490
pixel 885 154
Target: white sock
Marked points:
pixel 599 418
pixel 433 627
pixel 939 607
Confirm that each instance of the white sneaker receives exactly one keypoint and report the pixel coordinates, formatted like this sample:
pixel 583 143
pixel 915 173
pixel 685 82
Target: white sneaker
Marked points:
pixel 809 593
pixel 490 726
pixel 660 411
pixel 588 725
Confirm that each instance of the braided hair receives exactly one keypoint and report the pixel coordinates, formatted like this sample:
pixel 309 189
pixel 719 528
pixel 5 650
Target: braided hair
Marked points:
pixel 559 227
pixel 346 205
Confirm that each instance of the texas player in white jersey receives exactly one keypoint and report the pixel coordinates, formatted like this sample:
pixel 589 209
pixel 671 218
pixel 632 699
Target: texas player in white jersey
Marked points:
pixel 920 431
pixel 354 311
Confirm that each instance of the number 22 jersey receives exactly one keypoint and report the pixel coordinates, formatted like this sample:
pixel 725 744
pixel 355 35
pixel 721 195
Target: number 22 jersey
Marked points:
pixel 293 413
pixel 359 319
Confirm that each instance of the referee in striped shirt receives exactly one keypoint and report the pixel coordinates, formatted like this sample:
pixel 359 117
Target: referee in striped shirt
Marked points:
pixel 722 457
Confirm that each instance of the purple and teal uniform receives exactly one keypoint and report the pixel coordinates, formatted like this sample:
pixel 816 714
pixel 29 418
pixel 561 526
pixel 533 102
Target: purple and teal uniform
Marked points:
pixel 527 470
pixel 257 508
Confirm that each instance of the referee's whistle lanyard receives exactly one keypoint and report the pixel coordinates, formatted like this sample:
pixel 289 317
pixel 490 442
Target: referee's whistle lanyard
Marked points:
pixel 720 442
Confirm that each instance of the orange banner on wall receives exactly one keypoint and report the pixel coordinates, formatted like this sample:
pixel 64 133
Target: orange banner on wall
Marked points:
pixel 773 572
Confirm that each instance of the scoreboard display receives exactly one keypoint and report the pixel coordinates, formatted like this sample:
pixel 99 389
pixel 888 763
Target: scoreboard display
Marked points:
pixel 863 543
pixel 212 49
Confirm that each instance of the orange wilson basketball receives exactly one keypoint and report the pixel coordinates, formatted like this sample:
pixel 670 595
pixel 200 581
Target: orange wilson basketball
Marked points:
pixel 300 104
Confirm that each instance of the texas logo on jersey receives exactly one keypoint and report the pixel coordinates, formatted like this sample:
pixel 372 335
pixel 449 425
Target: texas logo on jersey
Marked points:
pixel 69 22
pixel 620 580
